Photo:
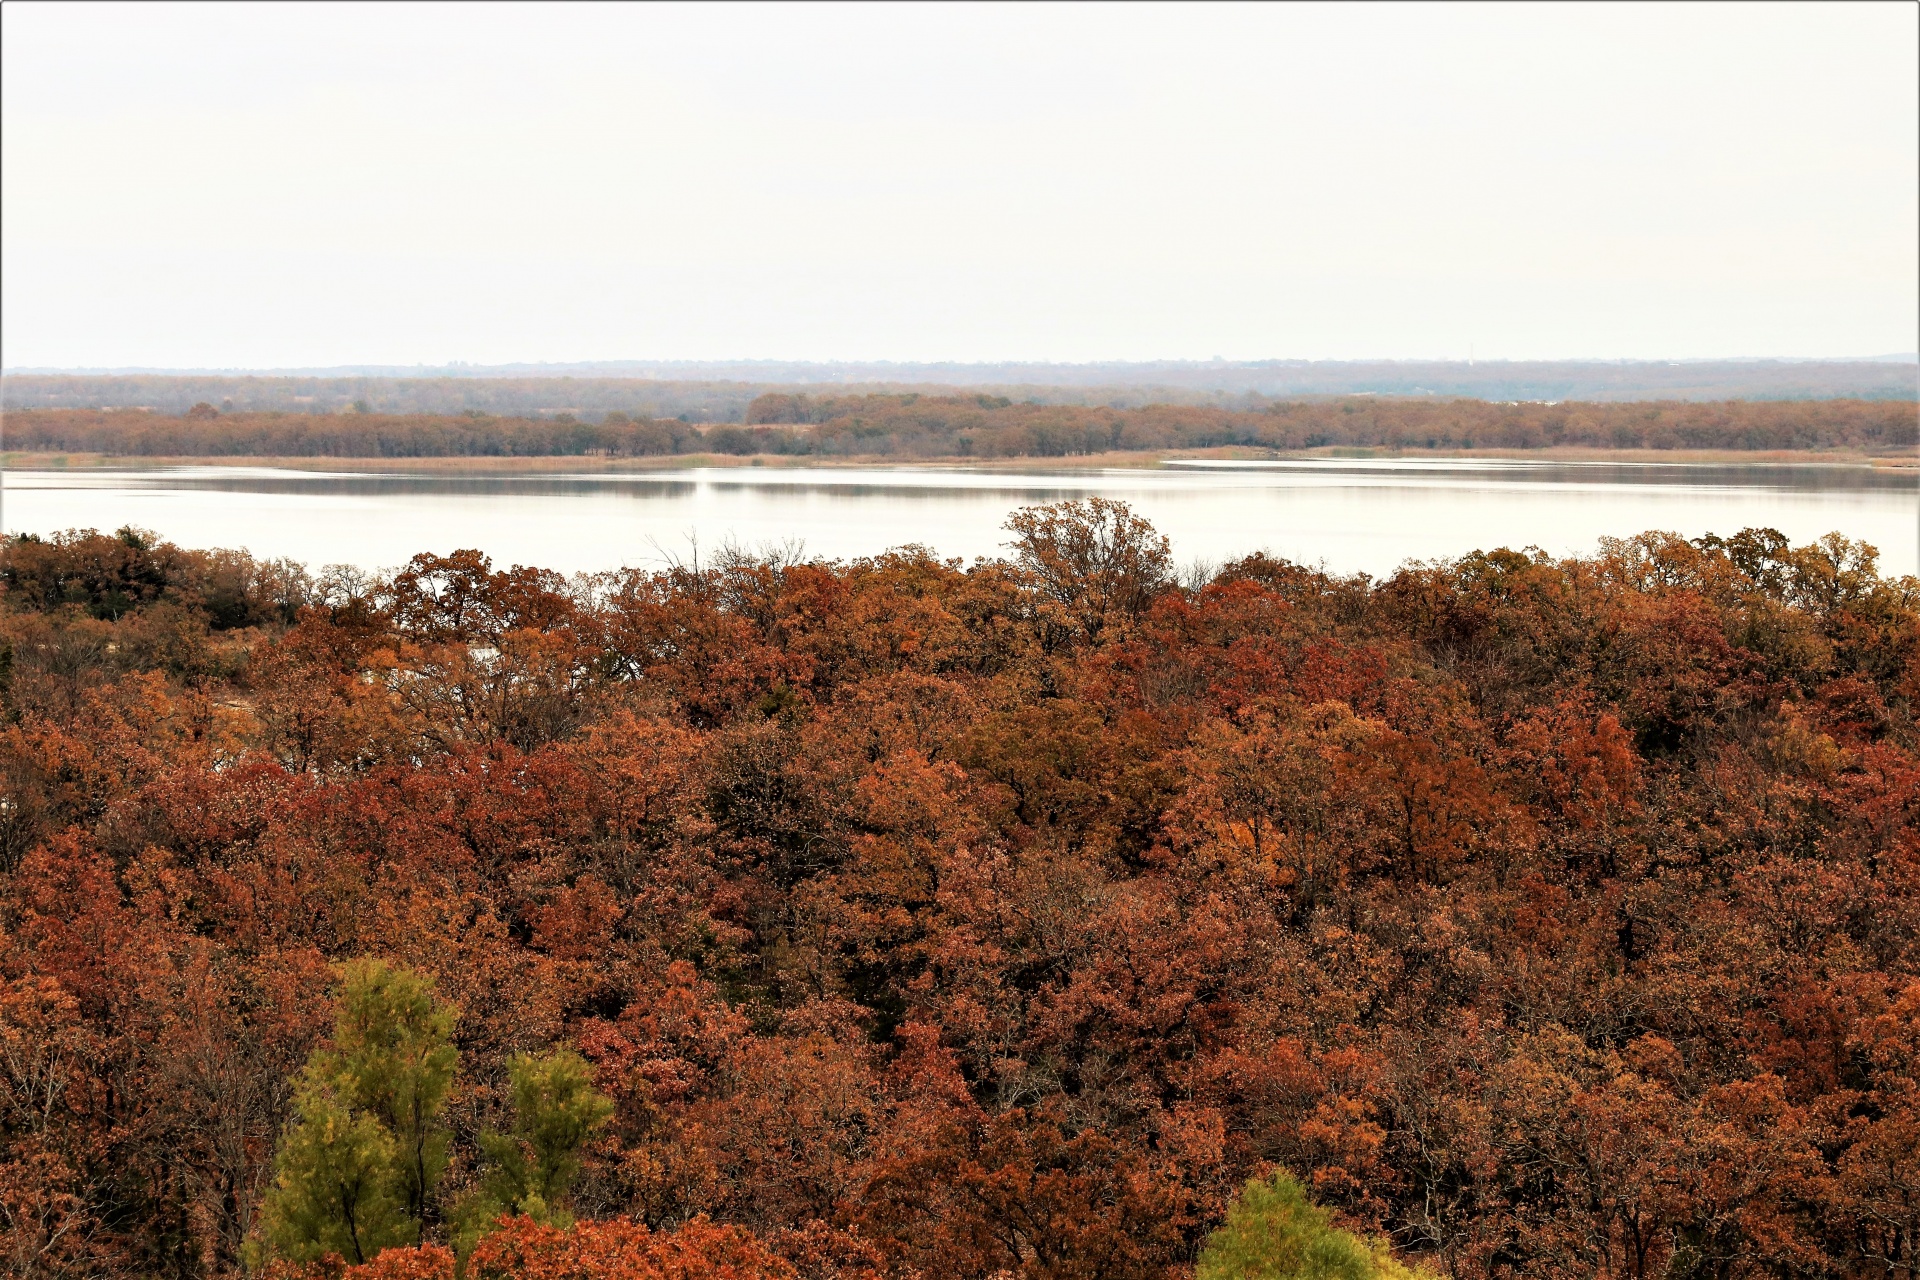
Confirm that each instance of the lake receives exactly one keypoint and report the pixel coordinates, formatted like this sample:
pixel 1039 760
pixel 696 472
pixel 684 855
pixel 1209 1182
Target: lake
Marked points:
pixel 1353 515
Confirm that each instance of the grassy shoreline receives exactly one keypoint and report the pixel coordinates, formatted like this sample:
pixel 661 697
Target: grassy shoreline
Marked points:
pixel 1143 459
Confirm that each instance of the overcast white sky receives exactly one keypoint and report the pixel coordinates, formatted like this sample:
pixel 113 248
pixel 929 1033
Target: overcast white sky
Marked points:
pixel 234 185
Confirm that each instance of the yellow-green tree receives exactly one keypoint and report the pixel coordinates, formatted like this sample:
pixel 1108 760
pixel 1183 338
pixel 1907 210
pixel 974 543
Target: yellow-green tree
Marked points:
pixel 1274 1231
pixel 555 1110
pixel 356 1169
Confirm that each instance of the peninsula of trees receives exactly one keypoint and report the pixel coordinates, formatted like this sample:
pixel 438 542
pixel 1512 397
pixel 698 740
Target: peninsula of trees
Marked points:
pixel 913 426
pixel 1048 918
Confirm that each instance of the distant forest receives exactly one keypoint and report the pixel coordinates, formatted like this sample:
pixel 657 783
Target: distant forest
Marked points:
pixel 979 426
pixel 718 391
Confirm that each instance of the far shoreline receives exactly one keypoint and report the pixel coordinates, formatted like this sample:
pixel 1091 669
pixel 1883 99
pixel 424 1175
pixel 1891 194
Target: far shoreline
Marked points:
pixel 1141 459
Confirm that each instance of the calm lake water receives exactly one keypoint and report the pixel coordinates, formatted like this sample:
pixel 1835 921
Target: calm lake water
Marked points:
pixel 1351 514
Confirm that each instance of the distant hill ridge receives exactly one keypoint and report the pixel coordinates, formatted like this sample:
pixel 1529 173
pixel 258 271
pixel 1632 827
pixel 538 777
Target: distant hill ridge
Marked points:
pixel 1875 377
pixel 719 391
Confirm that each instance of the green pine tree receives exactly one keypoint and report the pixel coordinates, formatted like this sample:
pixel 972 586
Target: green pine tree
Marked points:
pixel 1274 1231
pixel 356 1168
pixel 334 1189
pixel 555 1110
pixel 393 1057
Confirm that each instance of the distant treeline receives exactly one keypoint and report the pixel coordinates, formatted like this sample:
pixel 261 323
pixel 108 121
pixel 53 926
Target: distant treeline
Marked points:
pixel 697 401
pixel 206 432
pixel 718 390
pixel 984 426
pixel 721 392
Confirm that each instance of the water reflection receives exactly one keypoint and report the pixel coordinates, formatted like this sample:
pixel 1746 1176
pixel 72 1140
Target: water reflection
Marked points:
pixel 1764 475
pixel 1354 514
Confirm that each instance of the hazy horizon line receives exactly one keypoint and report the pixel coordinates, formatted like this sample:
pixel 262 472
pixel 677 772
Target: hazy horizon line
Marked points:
pixel 470 367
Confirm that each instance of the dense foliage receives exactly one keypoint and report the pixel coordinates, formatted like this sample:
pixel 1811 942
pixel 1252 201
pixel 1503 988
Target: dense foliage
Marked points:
pixel 1544 917
pixel 986 426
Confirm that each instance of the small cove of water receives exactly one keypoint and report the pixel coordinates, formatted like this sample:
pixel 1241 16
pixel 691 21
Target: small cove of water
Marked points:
pixel 1354 515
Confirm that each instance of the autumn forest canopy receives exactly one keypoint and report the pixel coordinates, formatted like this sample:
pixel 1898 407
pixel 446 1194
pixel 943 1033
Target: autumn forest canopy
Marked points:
pixel 978 426
pixel 1049 917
